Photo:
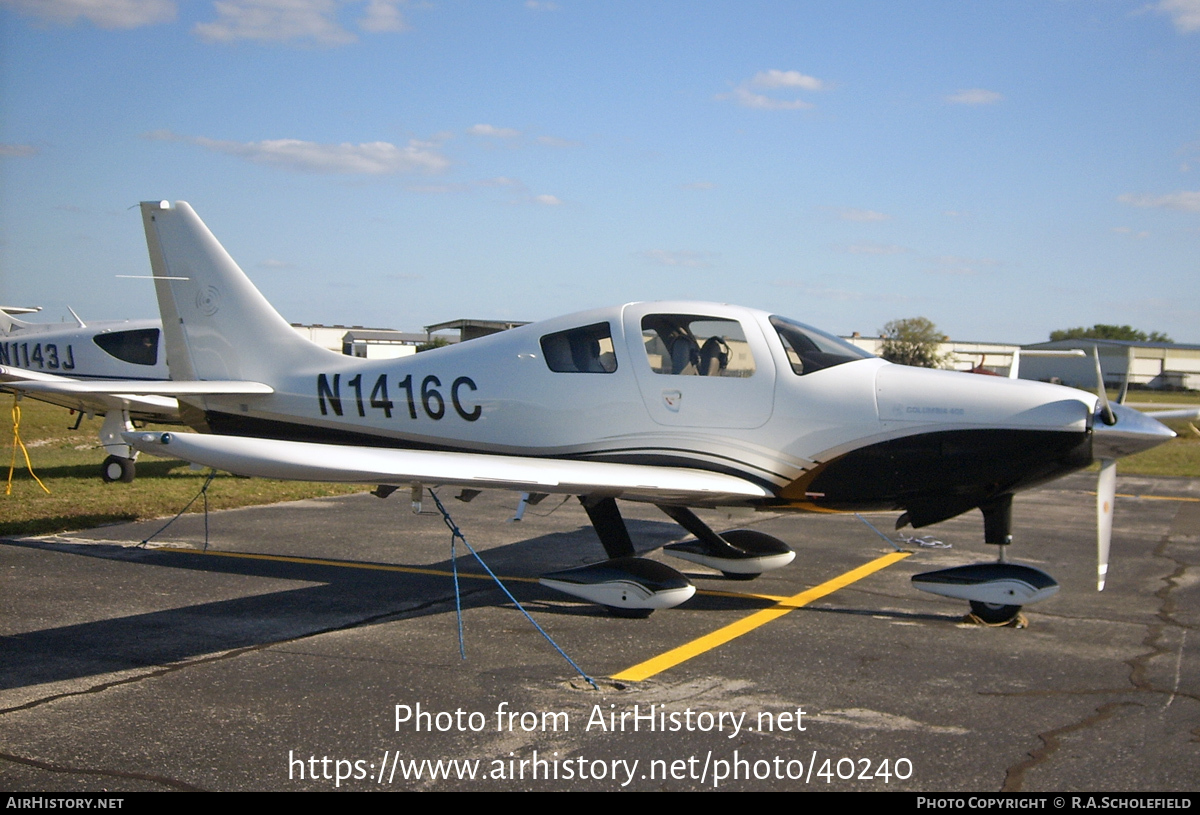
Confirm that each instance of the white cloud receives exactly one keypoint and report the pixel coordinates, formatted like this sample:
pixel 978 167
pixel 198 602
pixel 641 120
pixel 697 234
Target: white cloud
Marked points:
pixel 685 257
pixel 749 99
pixel 974 96
pixel 958 266
pixel 17 150
pixel 1185 14
pixel 370 158
pixel 775 78
pixel 104 13
pixel 869 248
pixel 439 189
pixel 502 181
pixel 821 292
pixel 268 20
pixel 275 20
pixel 547 200
pixel 499 182
pixel 555 141
pixel 541 5
pixel 1188 201
pixel 382 15
pixel 863 215
pixel 491 131
pixel 1128 232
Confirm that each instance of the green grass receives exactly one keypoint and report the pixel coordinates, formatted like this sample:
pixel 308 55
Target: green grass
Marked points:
pixel 1181 455
pixel 68 462
pixel 1181 398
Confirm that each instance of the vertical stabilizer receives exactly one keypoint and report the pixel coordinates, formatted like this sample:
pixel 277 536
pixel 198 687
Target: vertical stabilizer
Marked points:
pixel 10 324
pixel 217 325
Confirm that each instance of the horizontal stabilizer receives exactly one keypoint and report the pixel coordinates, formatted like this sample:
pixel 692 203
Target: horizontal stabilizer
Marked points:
pixel 306 461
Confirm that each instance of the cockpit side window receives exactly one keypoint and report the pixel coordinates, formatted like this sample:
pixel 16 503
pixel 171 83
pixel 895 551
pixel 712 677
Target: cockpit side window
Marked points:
pixel 810 350
pixel 693 345
pixel 139 346
pixel 585 350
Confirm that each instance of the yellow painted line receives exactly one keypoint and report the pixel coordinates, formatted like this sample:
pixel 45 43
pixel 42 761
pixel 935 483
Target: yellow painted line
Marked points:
pixel 380 567
pixel 683 653
pixel 1151 497
pixel 1157 497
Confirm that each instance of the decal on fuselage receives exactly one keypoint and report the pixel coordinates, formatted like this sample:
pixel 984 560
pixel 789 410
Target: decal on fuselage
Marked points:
pixel 43 357
pixel 427 396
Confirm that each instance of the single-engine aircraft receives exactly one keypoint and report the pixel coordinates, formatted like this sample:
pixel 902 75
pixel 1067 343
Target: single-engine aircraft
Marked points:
pixel 678 404
pixel 59 356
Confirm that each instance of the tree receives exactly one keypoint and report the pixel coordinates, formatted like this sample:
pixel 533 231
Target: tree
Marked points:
pixel 913 341
pixel 1100 331
pixel 435 342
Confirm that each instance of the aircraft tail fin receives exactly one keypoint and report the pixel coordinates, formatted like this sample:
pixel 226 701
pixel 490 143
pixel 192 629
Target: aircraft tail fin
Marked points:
pixel 216 323
pixel 9 323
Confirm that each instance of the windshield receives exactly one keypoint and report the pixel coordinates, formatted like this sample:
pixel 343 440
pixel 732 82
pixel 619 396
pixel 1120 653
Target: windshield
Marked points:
pixel 811 350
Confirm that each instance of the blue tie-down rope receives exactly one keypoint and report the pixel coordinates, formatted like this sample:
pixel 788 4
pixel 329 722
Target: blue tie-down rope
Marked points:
pixel 203 491
pixel 456 534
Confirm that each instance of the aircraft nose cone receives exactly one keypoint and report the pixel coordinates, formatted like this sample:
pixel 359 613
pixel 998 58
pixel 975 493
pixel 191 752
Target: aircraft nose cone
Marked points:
pixel 1132 433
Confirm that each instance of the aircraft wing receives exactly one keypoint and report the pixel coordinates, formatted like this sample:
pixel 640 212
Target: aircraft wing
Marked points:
pixel 171 387
pixel 306 461
pixel 66 392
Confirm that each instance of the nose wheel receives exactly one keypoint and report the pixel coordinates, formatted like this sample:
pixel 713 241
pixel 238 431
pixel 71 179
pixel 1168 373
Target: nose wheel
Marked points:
pixel 998 590
pixel 994 613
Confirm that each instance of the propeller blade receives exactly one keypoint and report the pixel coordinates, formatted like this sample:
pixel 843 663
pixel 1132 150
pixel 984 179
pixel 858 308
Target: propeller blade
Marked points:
pixel 1106 491
pixel 1109 417
pixel 1128 372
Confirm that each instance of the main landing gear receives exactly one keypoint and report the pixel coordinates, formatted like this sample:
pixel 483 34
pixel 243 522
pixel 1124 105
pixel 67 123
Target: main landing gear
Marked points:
pixel 630 586
pixel 996 591
pixel 117 468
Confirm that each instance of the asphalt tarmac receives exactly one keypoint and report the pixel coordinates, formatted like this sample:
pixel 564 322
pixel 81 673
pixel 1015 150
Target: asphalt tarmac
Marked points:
pixel 315 646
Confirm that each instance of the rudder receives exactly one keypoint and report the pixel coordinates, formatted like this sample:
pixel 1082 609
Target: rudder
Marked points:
pixel 217 324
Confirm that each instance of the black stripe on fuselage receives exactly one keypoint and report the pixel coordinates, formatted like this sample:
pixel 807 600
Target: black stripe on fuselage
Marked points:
pixel 934 476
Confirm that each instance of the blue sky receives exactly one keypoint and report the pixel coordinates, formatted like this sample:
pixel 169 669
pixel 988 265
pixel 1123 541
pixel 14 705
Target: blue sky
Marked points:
pixel 1003 169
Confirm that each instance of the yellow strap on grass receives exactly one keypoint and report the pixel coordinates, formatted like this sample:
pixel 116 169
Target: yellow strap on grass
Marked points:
pixel 12 465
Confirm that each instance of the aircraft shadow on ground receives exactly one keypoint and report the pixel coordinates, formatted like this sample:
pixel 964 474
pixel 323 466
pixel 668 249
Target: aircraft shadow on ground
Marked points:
pixel 339 596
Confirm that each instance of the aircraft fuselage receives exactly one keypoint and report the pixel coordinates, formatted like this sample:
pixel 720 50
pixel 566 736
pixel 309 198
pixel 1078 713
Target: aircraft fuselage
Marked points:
pixel 824 427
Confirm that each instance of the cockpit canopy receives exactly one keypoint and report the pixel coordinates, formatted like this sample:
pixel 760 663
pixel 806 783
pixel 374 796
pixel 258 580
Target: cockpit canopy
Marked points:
pixel 696 344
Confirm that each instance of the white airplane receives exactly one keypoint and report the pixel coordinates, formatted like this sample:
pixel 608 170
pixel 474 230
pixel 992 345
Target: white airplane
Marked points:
pixel 59 356
pixel 678 404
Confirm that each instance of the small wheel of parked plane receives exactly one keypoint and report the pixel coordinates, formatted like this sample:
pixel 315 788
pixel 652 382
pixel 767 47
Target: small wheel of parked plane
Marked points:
pixel 630 613
pixel 739 575
pixel 994 613
pixel 116 468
